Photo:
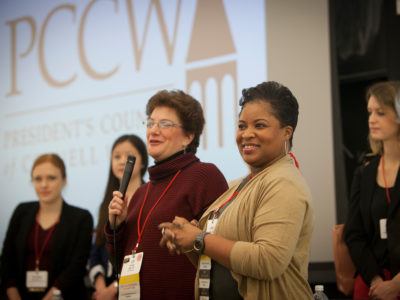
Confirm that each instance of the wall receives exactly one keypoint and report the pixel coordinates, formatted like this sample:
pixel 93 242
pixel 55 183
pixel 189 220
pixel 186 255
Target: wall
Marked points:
pixel 299 56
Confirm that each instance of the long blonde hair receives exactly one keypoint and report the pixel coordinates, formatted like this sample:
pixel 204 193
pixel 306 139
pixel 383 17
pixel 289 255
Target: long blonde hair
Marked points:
pixel 387 93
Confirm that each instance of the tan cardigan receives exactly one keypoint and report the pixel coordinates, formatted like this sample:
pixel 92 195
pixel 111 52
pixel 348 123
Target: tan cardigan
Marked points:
pixel 272 220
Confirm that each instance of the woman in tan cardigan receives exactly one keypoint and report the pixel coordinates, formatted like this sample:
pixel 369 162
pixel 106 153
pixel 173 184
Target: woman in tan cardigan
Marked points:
pixel 253 242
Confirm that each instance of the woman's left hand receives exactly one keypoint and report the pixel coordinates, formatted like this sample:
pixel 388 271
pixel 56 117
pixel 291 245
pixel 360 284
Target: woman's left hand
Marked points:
pixel 180 234
pixel 384 290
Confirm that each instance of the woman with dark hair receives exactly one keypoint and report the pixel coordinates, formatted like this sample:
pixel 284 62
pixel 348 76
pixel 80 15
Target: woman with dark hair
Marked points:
pixel 253 242
pixel 372 230
pixel 101 272
pixel 48 241
pixel 179 184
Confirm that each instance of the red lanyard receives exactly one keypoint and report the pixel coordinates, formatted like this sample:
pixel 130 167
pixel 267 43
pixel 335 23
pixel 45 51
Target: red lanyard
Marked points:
pixel 388 200
pixel 296 162
pixel 38 255
pixel 244 181
pixel 233 196
pixel 140 229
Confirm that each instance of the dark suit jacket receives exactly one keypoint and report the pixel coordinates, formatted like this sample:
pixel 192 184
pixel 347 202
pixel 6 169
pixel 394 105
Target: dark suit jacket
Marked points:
pixel 70 246
pixel 359 223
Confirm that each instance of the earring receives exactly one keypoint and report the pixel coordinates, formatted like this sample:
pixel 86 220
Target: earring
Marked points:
pixel 397 106
pixel 286 147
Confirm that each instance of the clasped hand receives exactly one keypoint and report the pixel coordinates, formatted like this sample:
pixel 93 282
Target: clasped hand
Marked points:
pixel 179 235
pixel 383 289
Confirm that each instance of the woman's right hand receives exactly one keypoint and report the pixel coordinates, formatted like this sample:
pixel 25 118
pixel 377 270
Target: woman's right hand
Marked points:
pixel 106 293
pixel 117 210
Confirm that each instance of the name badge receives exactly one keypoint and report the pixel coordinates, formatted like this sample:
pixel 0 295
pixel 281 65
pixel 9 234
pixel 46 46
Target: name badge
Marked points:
pixel 211 225
pixel 37 281
pixel 205 262
pixel 382 228
pixel 129 283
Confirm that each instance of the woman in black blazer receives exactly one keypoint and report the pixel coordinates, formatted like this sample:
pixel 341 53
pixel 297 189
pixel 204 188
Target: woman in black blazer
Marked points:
pixel 372 231
pixel 48 241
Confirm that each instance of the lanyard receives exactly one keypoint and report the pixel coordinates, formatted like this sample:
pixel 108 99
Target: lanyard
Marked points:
pixel 140 229
pixel 224 205
pixel 388 200
pixel 38 255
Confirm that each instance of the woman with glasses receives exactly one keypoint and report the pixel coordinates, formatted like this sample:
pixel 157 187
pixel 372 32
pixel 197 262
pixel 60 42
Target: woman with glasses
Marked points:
pixel 47 242
pixel 179 185
pixel 253 242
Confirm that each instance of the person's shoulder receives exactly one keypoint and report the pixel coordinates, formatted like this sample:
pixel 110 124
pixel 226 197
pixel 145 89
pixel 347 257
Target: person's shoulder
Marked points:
pixel 285 174
pixel 368 160
pixel 366 163
pixel 23 206
pixel 205 168
pixel 77 211
pixel 284 170
pixel 204 174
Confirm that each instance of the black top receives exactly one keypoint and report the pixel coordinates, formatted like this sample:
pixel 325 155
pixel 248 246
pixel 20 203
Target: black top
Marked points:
pixel 379 210
pixel 69 250
pixel 361 226
pixel 223 286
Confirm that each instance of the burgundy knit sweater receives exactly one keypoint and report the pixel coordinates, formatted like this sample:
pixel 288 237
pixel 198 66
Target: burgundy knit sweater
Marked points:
pixel 165 276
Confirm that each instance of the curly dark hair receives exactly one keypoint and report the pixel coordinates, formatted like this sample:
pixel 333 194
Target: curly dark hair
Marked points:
pixel 284 105
pixel 188 109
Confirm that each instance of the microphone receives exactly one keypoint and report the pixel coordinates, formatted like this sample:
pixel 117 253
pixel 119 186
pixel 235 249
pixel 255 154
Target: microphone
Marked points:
pixel 130 163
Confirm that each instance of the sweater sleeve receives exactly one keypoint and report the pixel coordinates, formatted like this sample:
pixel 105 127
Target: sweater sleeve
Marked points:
pixel 96 262
pixel 79 256
pixel 276 228
pixel 356 237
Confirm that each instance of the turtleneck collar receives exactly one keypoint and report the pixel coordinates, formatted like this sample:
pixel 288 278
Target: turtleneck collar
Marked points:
pixel 168 167
pixel 169 158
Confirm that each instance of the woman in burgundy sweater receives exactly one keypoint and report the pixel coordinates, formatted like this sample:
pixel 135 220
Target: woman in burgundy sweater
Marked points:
pixel 179 185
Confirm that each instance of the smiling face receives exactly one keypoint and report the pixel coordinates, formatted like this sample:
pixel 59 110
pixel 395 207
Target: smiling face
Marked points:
pixel 164 142
pixel 48 182
pixel 119 157
pixel 259 136
pixel 381 121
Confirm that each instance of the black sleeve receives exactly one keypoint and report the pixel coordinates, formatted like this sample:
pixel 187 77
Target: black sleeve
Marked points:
pixel 76 268
pixel 8 270
pixel 356 235
pixel 97 262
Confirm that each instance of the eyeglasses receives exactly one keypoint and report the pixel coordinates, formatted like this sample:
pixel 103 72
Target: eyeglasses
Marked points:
pixel 162 124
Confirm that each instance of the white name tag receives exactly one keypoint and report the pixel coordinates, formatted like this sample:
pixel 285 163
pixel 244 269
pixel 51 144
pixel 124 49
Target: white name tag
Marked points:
pixel 204 283
pixel 382 228
pixel 37 280
pixel 211 225
pixel 205 262
pixel 129 283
